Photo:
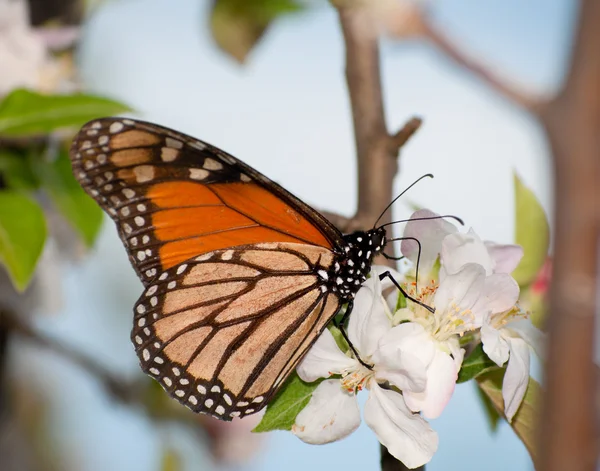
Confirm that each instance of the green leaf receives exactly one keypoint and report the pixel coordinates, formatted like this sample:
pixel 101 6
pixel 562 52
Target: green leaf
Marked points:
pixel 16 171
pixel 492 415
pixel 286 405
pixel 82 212
pixel 475 364
pixel 22 236
pixel 523 422
pixel 23 112
pixel 237 25
pixel 170 461
pixel 532 232
pixel 401 301
pixel 338 337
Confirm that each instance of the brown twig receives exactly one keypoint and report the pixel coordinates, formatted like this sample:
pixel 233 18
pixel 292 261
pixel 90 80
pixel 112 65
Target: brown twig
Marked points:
pixel 510 91
pixel 118 388
pixel 405 133
pixel 376 149
pixel 572 122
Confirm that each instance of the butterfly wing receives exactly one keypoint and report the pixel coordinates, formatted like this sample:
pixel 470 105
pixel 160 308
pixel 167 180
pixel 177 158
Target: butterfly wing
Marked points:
pixel 174 197
pixel 222 331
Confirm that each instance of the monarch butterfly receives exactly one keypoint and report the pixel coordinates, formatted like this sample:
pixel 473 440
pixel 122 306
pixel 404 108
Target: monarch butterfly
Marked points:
pixel 240 276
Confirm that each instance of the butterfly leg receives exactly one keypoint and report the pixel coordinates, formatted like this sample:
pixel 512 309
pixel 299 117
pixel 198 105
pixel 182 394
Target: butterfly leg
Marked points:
pixel 340 325
pixel 387 274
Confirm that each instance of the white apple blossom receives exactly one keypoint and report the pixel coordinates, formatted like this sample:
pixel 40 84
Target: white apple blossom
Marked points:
pixel 506 334
pixel 439 238
pixel 509 337
pixel 460 303
pixel 333 412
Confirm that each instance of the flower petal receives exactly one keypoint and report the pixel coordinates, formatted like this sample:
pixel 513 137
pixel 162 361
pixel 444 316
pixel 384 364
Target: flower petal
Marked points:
pixel 461 289
pixel 505 257
pixel 460 249
pixel 533 336
pixel 324 359
pixel 331 414
pixel 516 377
pixel 430 234
pixel 500 293
pixel 368 321
pixel 495 345
pixel 407 436
pixel 403 355
pixel 441 380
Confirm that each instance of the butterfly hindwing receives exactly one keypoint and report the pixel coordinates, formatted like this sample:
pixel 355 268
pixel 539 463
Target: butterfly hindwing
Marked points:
pixel 220 332
pixel 174 197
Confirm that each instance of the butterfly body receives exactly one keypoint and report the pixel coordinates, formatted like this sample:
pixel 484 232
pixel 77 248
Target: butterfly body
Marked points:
pixel 240 277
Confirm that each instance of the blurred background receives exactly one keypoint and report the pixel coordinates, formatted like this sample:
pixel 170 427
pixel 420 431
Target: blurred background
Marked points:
pixel 285 111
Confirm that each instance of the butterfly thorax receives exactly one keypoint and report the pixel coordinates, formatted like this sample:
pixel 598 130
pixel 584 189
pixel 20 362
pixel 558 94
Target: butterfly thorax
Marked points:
pixel 354 261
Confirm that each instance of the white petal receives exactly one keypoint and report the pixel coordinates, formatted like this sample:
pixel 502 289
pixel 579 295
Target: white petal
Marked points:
pixel 407 436
pixel 403 355
pixel 516 377
pixel 441 380
pixel 495 345
pixel 458 354
pixel 500 293
pixel 323 359
pixel 368 321
pixel 460 249
pixel 430 234
pixel 462 289
pixel 506 257
pixel 534 337
pixel 331 414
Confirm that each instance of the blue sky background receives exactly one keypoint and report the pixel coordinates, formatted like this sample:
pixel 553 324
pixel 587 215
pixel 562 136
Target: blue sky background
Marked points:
pixel 286 112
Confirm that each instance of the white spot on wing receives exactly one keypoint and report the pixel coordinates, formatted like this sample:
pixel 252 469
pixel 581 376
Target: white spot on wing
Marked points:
pixel 212 164
pixel 116 127
pixel 173 143
pixel 198 173
pixel 143 173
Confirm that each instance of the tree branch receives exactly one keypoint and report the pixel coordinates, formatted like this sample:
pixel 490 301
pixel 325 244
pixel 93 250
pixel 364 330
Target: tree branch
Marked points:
pixel 376 149
pixel 376 161
pixel 403 135
pixel 572 121
pixel 118 388
pixel 484 73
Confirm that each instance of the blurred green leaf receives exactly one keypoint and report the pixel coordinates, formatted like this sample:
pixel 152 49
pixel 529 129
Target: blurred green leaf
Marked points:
pixel 237 25
pixel 286 405
pixel 23 112
pixel 492 415
pixel 22 236
pixel 16 171
pixel 170 461
pixel 74 204
pixel 535 302
pixel 475 364
pixel 531 232
pixel 523 422
pixel 338 337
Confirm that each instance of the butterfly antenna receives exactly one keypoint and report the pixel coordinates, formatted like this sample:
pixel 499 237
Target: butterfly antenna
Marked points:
pixel 427 175
pixel 446 216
